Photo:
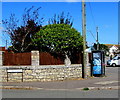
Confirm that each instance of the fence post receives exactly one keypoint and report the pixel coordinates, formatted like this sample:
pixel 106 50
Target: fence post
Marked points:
pixel 1 58
pixel 34 58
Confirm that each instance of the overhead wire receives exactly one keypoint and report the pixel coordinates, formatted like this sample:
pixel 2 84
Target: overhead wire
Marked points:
pixel 92 14
pixel 93 19
pixel 92 34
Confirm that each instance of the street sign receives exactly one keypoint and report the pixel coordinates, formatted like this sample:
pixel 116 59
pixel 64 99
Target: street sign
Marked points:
pixel 14 71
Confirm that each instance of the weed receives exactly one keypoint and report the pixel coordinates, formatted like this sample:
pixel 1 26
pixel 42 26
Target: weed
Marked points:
pixel 85 88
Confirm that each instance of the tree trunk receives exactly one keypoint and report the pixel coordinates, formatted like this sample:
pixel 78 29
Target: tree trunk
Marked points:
pixel 67 61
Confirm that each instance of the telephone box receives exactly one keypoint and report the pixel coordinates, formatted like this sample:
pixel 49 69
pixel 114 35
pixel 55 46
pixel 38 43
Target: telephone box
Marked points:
pixel 98 63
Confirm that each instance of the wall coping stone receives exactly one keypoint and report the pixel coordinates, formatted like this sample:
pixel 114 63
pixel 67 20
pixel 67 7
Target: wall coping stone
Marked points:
pixel 40 66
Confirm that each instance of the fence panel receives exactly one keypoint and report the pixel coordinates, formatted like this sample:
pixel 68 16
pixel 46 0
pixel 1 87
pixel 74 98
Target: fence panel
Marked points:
pixel 45 59
pixel 17 58
pixel 48 59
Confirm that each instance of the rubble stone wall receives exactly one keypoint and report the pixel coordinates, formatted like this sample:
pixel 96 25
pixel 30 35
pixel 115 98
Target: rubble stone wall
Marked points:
pixel 42 73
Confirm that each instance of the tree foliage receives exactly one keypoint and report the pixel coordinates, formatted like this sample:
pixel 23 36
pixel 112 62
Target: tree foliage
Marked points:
pixel 61 19
pixel 21 35
pixel 101 47
pixel 59 38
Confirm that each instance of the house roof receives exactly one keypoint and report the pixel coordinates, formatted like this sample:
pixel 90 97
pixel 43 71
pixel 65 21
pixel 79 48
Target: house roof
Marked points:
pixel 110 45
pixel 89 50
pixel 114 47
pixel 2 49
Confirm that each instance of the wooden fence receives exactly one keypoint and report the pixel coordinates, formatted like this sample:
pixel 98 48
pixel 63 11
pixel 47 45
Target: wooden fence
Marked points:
pixel 17 58
pixel 48 59
pixel 45 59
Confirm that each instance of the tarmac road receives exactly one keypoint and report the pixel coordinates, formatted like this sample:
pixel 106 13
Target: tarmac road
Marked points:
pixel 59 94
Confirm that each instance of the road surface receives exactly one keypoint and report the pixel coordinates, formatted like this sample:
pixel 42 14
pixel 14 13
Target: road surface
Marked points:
pixel 59 94
pixel 67 89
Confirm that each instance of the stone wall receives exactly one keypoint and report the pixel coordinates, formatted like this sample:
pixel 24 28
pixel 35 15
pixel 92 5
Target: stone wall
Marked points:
pixel 43 73
pixel 1 58
pixel 35 72
pixel 88 71
pixel 34 58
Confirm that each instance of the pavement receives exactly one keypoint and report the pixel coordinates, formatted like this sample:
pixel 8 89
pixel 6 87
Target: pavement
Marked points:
pixel 108 82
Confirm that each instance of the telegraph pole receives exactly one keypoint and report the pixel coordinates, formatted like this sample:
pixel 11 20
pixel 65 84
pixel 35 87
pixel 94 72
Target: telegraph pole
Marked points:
pixel 97 39
pixel 84 73
pixel 6 44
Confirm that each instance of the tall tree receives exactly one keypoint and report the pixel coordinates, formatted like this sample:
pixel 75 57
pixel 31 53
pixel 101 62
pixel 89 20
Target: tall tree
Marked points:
pixel 21 35
pixel 59 38
pixel 61 19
